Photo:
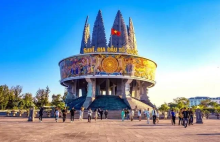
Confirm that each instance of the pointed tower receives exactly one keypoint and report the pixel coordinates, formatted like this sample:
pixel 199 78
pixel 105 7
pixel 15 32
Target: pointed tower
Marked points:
pixel 98 34
pixel 131 36
pixel 119 25
pixel 86 37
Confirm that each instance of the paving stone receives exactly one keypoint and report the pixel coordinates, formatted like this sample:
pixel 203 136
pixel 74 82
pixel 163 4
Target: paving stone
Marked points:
pixel 107 130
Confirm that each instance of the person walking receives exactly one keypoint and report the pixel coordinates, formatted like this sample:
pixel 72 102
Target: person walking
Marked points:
pixel 181 117
pixel 106 114
pixel 185 117
pixel 96 114
pixel 82 111
pixel 64 111
pixel 122 115
pixel 147 114
pixel 158 116
pixel 173 116
pixel 41 114
pixel 139 114
pixel 131 114
pixel 72 113
pixel 191 117
pixel 154 114
pixel 89 115
pixel 57 114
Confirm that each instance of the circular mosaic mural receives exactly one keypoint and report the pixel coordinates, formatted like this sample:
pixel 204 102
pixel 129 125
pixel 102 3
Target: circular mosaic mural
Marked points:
pixel 109 64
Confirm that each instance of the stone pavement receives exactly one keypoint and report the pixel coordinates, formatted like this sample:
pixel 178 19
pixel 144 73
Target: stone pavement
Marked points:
pixel 18 129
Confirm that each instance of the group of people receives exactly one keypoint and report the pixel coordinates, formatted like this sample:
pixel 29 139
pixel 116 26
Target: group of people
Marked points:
pixel 185 117
pixel 126 114
pixel 98 113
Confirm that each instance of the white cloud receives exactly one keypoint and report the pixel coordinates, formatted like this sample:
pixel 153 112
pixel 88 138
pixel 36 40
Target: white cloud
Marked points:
pixel 203 81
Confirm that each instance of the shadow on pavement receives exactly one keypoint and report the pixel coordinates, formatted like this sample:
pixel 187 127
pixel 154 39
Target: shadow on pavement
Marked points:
pixel 209 134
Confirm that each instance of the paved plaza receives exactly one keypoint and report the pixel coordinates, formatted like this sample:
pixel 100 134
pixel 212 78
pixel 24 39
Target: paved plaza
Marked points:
pixel 18 129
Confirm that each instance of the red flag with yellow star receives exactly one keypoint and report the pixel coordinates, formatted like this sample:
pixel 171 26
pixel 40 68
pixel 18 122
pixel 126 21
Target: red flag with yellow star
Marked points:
pixel 115 32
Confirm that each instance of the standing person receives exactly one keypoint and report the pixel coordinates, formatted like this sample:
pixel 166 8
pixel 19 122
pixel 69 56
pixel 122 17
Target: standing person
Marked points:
pixel 139 114
pixel 181 117
pixel 89 115
pixel 72 113
pixel 128 114
pixel 185 117
pixel 41 114
pixel 106 114
pixel 154 114
pixel 64 111
pixel 101 113
pixel 57 114
pixel 122 115
pixel 131 114
pixel 173 116
pixel 82 111
pixel 96 114
pixel 190 116
pixel 147 114
pixel 158 116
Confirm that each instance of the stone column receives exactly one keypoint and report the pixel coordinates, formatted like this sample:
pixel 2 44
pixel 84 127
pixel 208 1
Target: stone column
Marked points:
pixel 119 88
pixel 113 90
pixel 107 86
pixel 91 87
pixel 97 90
pixel 127 88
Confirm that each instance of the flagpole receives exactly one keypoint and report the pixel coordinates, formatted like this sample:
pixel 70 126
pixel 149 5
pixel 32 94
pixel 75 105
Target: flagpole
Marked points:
pixel 111 39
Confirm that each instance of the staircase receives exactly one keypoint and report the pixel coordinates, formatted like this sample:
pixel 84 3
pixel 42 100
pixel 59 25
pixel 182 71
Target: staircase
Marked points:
pixel 77 103
pixel 109 103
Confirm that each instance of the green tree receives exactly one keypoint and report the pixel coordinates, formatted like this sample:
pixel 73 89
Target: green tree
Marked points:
pixel 205 103
pixel 4 96
pixel 182 102
pixel 164 107
pixel 42 97
pixel 57 100
pixel 27 101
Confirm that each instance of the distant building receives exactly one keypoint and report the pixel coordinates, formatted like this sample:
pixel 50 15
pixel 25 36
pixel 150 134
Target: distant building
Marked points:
pixel 194 101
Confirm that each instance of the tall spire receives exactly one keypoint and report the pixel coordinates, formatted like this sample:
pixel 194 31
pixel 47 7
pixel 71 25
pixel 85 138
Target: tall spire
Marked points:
pixel 86 36
pixel 119 25
pixel 98 34
pixel 131 36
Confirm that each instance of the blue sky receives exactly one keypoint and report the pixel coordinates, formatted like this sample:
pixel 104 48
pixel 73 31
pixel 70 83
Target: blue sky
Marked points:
pixel 181 36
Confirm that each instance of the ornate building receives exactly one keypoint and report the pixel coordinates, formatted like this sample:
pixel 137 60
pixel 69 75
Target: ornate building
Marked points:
pixel 111 77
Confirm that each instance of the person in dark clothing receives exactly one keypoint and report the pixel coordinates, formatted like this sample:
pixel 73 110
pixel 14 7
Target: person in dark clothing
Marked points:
pixel 190 116
pixel 41 114
pixel 173 114
pixel 101 113
pixel 64 111
pixel 185 117
pixel 72 113
pixel 106 114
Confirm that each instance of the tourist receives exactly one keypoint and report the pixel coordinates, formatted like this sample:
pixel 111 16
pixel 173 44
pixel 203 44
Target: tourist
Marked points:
pixel 106 114
pixel 89 115
pixel 173 116
pixel 81 113
pixel 158 116
pixel 139 114
pixel 41 114
pixel 131 114
pixel 190 116
pixel 57 114
pixel 147 114
pixel 122 115
pixel 64 111
pixel 181 117
pixel 72 113
pixel 154 114
pixel 96 114
pixel 101 113
pixel 185 117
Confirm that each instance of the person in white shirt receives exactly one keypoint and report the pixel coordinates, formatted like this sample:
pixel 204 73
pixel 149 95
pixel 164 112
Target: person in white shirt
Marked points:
pixel 147 114
pixel 57 114
pixel 132 114
pixel 158 116
pixel 89 115
pixel 154 114
pixel 139 114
